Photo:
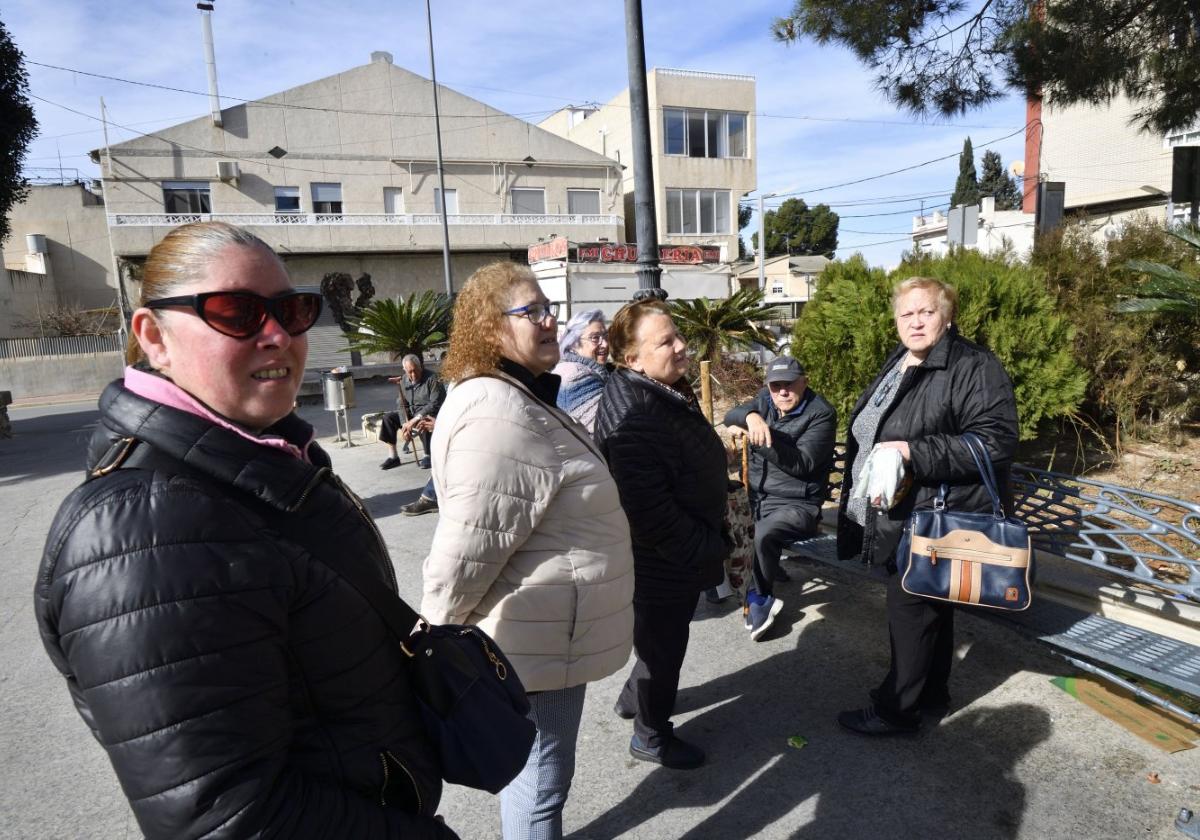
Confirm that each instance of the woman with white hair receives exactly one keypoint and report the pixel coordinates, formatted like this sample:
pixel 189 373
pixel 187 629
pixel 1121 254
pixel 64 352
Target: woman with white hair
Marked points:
pixel 583 366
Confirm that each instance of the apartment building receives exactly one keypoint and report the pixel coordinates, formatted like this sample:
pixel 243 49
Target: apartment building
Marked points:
pixel 339 175
pixel 1111 168
pixel 702 139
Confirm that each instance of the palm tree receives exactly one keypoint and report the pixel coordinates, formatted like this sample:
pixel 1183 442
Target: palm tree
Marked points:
pixel 400 326
pixel 1168 290
pixel 712 326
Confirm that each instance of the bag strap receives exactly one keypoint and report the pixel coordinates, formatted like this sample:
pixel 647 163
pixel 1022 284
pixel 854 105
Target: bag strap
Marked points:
pixel 400 618
pixel 984 464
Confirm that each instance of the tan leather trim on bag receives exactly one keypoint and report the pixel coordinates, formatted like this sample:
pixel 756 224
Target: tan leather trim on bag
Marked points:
pixel 973 546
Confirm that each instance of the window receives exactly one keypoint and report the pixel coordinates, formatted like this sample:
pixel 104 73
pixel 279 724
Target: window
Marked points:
pixel 777 290
pixel 451 201
pixel 287 199
pixel 699 133
pixel 697 211
pixel 186 197
pixel 583 202
pixel 393 201
pixel 736 134
pixel 674 131
pixel 528 202
pixel 327 199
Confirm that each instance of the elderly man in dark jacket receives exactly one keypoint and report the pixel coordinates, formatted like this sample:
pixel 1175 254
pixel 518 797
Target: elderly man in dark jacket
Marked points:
pixel 421 396
pixel 791 430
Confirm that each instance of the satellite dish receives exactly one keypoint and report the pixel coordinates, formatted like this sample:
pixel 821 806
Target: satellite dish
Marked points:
pixel 1017 169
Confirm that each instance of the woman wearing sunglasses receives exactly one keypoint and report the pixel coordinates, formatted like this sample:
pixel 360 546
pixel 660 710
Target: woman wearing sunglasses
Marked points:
pixel 239 685
pixel 583 368
pixel 532 544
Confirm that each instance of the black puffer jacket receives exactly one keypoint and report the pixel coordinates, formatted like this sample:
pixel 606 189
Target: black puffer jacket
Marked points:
pixel 240 687
pixel 960 387
pixel 795 467
pixel 670 469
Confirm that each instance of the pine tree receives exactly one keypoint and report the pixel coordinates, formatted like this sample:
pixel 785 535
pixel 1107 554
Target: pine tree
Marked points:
pixel 966 188
pixel 994 181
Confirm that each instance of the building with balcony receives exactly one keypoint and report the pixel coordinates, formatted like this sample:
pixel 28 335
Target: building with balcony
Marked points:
pixel 702 139
pixel 340 175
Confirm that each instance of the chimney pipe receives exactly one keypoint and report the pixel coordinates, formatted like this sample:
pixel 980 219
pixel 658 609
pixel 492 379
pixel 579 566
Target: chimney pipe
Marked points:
pixel 210 58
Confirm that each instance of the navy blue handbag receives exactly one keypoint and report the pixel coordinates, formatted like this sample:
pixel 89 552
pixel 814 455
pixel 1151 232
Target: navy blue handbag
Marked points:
pixel 473 703
pixel 984 559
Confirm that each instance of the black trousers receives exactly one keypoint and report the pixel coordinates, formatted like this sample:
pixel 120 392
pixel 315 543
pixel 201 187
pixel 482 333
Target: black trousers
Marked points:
pixel 389 430
pixel 660 639
pixel 775 530
pixel 922 637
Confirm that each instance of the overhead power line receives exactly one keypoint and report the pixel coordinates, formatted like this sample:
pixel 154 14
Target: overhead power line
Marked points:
pixel 567 104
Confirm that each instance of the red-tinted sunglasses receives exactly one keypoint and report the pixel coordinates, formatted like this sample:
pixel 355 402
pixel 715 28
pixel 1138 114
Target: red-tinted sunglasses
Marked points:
pixel 243 314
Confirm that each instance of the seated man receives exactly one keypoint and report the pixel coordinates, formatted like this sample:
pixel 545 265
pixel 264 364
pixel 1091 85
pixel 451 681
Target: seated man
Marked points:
pixel 791 431
pixel 421 396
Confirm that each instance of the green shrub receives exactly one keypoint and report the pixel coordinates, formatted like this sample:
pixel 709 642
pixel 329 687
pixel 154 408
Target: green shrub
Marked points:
pixel 846 331
pixel 1140 368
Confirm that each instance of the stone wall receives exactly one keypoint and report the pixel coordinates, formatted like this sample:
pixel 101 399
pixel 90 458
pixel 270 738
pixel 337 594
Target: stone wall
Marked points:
pixel 59 376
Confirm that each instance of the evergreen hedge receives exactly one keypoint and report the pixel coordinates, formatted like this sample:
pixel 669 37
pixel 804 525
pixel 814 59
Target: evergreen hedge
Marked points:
pixel 847 330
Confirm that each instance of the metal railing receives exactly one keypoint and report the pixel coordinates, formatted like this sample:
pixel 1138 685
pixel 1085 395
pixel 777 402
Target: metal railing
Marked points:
pixel 703 74
pixel 58 345
pixel 359 219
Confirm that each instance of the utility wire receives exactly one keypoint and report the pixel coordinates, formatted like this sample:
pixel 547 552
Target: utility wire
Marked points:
pixel 259 103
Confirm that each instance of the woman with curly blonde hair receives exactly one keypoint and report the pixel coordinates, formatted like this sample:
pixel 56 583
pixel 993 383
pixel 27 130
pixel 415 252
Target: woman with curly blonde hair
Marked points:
pixel 532 544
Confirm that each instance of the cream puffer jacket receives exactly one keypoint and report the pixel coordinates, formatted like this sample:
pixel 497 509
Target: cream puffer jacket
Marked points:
pixel 531 542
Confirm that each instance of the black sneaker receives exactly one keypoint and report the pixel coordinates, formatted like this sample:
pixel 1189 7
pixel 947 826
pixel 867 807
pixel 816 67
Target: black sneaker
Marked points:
pixel 622 712
pixel 390 464
pixel 674 754
pixel 424 463
pixel 420 506
pixel 868 722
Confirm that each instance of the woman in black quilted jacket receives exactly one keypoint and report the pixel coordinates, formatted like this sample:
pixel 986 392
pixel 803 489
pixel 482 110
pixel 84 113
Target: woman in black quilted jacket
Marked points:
pixel 670 469
pixel 240 687
pixel 934 387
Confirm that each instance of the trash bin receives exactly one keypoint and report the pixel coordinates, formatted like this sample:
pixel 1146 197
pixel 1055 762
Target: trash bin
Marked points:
pixel 338 387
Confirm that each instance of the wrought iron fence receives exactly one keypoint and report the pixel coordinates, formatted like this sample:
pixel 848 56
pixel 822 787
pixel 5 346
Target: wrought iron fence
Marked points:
pixel 58 345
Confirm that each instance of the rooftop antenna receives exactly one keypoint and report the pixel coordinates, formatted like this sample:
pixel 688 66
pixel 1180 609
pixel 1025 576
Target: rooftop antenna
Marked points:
pixel 210 58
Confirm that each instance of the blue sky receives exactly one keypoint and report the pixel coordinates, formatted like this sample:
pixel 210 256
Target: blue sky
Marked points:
pixel 820 120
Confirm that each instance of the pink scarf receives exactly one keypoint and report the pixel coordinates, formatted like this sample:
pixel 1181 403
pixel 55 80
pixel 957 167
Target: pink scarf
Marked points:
pixel 161 390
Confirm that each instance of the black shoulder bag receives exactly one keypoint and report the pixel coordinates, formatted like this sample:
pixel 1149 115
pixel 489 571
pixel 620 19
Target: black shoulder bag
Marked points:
pixel 472 701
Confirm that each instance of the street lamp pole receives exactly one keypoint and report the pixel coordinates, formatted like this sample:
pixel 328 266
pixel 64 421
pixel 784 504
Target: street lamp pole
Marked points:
pixel 762 243
pixel 648 270
pixel 437 132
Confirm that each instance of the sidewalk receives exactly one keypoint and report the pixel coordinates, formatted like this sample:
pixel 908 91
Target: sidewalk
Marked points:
pixel 1018 758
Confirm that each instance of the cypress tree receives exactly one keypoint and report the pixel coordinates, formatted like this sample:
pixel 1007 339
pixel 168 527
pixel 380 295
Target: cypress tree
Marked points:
pixel 994 181
pixel 966 188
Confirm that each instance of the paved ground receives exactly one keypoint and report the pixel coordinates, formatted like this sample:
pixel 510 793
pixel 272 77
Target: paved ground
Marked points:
pixel 1017 759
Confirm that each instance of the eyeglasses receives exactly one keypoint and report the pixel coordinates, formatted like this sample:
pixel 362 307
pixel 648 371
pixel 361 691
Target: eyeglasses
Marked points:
pixel 536 312
pixel 243 314
pixel 595 338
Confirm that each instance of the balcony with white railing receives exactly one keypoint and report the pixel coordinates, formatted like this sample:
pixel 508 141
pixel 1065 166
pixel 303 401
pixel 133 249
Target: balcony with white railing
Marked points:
pixel 360 219
pixel 134 234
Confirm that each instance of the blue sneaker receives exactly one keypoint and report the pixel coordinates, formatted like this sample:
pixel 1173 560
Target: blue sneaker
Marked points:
pixel 762 613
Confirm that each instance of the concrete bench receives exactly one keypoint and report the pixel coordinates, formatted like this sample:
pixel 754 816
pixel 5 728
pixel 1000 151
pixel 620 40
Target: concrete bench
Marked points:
pixel 1117 577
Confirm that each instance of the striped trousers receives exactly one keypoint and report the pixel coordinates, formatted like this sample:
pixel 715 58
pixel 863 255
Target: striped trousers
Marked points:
pixel 531 806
